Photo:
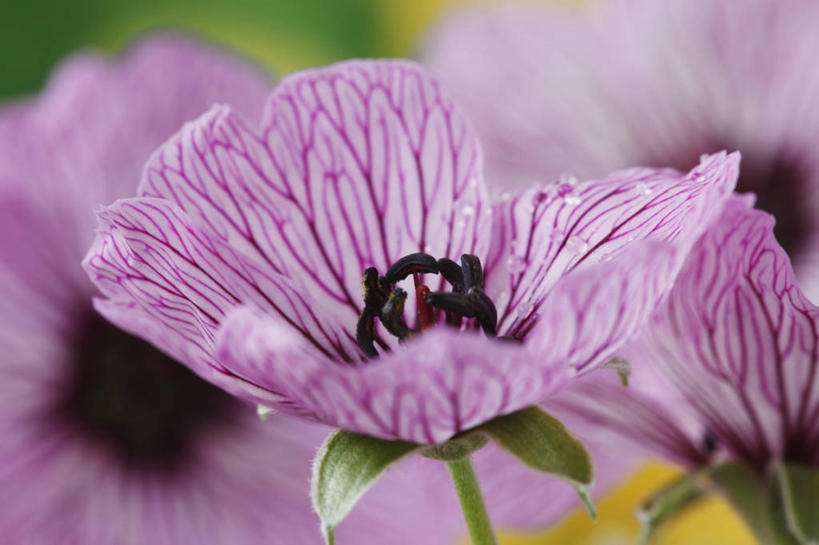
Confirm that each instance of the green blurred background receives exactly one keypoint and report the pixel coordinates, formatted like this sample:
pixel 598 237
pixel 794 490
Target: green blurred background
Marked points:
pixel 286 35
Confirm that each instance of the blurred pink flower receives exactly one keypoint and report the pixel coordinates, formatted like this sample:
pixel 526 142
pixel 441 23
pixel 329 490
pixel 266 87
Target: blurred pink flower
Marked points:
pixel 738 340
pixel 105 439
pixel 243 255
pixel 581 90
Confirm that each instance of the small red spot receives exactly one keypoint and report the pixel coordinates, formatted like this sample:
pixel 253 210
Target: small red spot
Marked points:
pixel 426 314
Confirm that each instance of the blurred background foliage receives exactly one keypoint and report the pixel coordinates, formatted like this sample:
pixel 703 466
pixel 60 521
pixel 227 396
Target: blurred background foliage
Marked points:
pixel 287 35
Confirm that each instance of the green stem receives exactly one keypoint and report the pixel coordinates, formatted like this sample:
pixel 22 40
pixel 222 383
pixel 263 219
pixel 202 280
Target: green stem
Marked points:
pixel 469 494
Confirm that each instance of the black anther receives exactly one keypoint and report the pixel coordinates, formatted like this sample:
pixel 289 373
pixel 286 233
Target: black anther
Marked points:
pixel 392 314
pixel 375 296
pixel 475 304
pixel 411 264
pixel 488 314
pixel 452 273
pixel 365 333
pixel 473 273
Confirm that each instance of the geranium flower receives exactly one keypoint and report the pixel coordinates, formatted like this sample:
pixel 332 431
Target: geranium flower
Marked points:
pixel 105 439
pixel 247 247
pixel 568 90
pixel 737 341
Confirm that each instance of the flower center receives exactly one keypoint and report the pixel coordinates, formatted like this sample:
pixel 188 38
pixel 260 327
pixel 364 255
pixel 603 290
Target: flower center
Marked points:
pixel 384 300
pixel 129 397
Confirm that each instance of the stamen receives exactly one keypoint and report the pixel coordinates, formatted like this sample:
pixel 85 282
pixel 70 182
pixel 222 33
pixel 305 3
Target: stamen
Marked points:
pixel 385 301
pixel 411 264
pixel 392 315
pixel 475 304
pixel 452 273
pixel 426 314
pixel 472 270
pixel 375 297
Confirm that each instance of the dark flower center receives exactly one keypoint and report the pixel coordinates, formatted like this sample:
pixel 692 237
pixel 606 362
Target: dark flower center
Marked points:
pixel 782 187
pixel 384 300
pixel 129 397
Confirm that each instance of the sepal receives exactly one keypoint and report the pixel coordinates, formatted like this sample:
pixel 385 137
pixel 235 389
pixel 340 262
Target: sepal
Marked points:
pixel 668 502
pixel 798 486
pixel 543 443
pixel 758 500
pixel 346 466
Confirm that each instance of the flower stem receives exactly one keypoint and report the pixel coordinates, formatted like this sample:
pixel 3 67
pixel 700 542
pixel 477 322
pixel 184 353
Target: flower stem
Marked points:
pixel 469 494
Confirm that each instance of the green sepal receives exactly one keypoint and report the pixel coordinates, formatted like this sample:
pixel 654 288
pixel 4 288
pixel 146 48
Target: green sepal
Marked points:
pixel 543 443
pixel 668 502
pixel 346 466
pixel 757 499
pixel 457 448
pixel 799 488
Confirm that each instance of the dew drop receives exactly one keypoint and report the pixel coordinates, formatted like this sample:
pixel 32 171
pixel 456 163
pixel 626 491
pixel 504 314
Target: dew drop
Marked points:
pixel 572 200
pixel 428 248
pixel 264 412
pixel 568 179
pixel 468 210
pixel 557 235
pixel 515 264
pixel 642 188
pixel 576 245
pixel 524 308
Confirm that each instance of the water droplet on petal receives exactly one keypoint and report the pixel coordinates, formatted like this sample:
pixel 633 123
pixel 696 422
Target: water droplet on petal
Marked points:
pixel 264 412
pixel 427 248
pixel 468 210
pixel 557 235
pixel 572 200
pixel 515 264
pixel 576 245
pixel 524 308
pixel 642 188
pixel 568 179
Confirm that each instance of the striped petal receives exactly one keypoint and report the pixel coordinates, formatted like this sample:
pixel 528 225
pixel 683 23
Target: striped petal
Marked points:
pixel 740 339
pixel 430 389
pixel 543 234
pixel 354 165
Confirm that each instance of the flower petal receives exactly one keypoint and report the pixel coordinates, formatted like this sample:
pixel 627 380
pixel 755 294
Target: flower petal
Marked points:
pixel 740 339
pixel 84 140
pixel 355 165
pixel 430 389
pixel 649 416
pixel 544 233
pixel 148 256
pixel 594 311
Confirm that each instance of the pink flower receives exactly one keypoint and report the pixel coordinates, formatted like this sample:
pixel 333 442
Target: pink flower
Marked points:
pixel 244 252
pixel 738 341
pixel 105 439
pixel 558 89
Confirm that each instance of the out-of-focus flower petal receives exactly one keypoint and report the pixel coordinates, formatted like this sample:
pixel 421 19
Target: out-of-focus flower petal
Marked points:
pixel 84 140
pixel 740 339
pixel 354 166
pixel 648 416
pixel 543 234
